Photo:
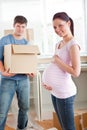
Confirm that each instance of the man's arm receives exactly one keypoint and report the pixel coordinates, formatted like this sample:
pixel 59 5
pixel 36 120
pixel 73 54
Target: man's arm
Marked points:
pixel 1 67
pixel 5 72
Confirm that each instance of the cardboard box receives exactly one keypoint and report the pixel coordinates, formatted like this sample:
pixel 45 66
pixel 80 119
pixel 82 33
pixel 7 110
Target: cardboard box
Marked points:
pixel 77 119
pixel 83 116
pixel 21 58
pixel 56 122
pixel 84 120
pixel 29 33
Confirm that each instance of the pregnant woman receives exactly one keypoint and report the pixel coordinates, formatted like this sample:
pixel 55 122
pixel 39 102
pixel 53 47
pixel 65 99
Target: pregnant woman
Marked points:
pixel 65 63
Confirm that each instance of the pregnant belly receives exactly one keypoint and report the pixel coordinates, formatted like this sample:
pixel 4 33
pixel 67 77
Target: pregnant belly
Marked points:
pixel 52 75
pixel 60 81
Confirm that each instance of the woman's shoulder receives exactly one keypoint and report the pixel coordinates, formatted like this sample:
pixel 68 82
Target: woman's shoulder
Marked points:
pixel 73 42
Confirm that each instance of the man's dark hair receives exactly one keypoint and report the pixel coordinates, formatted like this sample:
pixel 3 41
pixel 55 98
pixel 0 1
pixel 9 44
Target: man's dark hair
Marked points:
pixel 20 19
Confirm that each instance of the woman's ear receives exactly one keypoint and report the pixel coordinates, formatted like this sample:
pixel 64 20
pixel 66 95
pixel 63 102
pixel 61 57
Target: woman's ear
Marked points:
pixel 69 23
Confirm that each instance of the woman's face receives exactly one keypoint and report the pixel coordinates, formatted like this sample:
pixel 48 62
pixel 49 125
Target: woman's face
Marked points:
pixel 61 27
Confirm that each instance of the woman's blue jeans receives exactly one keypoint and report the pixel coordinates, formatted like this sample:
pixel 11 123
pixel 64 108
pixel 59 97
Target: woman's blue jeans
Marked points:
pixel 64 109
pixel 8 88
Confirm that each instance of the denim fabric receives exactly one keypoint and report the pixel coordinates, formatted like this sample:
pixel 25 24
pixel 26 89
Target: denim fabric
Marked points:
pixel 22 129
pixel 7 91
pixel 64 109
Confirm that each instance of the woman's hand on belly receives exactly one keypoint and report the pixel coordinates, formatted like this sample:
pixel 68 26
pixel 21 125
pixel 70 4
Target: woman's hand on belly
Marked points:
pixel 47 87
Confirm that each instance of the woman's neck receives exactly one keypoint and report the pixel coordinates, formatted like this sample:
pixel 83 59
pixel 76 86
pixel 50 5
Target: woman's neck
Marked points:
pixel 67 38
pixel 65 41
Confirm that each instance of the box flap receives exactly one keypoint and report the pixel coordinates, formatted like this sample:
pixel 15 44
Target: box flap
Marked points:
pixel 25 49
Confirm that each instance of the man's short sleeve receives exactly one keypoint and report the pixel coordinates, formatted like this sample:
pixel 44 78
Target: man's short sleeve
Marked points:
pixel 1 51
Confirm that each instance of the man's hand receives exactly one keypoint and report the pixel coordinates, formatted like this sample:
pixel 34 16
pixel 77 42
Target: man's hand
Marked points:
pixel 7 74
pixel 32 75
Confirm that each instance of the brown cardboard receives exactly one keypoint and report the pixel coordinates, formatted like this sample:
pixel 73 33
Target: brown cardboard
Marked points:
pixel 77 119
pixel 56 123
pixel 21 58
pixel 83 115
pixel 29 33
pixel 81 111
pixel 84 120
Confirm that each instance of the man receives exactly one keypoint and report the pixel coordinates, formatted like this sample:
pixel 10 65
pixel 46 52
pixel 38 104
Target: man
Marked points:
pixel 11 83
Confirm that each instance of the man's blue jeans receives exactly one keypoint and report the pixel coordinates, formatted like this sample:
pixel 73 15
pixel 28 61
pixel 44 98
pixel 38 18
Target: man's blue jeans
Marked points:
pixel 65 112
pixel 7 91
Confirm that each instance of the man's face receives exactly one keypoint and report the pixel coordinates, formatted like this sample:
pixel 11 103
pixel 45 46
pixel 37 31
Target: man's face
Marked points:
pixel 19 29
